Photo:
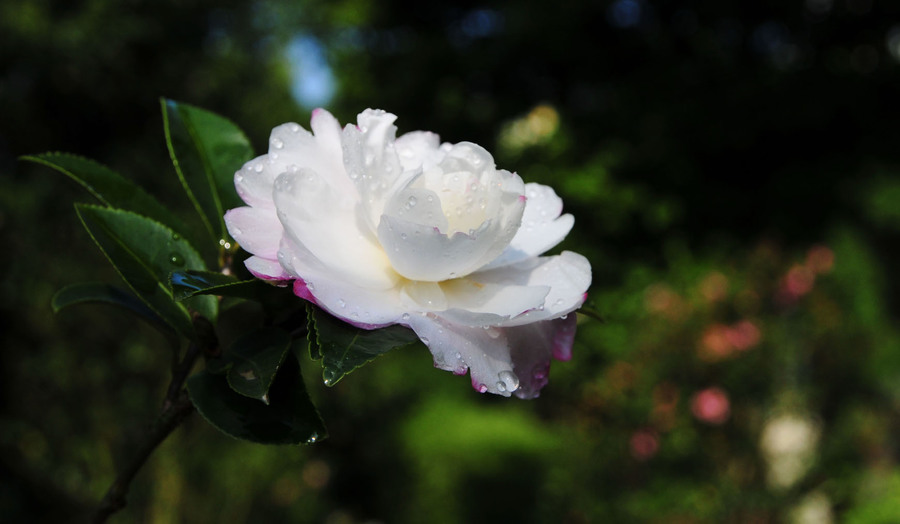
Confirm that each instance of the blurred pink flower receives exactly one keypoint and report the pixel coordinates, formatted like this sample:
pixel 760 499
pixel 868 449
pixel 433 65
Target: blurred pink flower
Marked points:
pixel 743 335
pixel 644 444
pixel 820 259
pixel 711 406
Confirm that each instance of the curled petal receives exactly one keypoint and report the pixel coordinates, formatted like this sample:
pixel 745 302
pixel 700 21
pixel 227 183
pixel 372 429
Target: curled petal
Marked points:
pixel 420 150
pixel 483 352
pixel 542 226
pixel 568 275
pixel 267 269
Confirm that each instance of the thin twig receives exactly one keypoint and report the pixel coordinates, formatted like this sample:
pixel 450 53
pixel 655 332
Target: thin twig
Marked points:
pixel 176 407
pixel 114 500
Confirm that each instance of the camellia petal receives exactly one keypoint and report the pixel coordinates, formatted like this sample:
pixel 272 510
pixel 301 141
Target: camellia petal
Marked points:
pixel 379 229
pixel 568 276
pixel 531 347
pixel 542 226
pixel 256 230
pixel 483 352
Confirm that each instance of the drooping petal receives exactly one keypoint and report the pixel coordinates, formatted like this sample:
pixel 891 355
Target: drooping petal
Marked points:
pixel 257 230
pixel 484 352
pixel 325 224
pixel 531 347
pixel 568 275
pixel 542 226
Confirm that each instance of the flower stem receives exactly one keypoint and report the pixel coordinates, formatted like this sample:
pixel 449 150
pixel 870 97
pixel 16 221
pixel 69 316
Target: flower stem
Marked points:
pixel 176 408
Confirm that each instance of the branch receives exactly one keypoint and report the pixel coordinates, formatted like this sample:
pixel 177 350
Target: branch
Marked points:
pixel 114 500
pixel 176 407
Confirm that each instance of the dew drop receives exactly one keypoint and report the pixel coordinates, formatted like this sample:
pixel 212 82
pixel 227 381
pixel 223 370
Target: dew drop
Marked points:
pixel 342 303
pixel 238 178
pixel 509 380
pixel 482 388
pixel 564 317
pixel 492 331
pixel 294 127
pixel 558 302
pixel 176 259
pixel 404 316
pixel 425 340
pixel 258 168
pixel 429 198
pixel 403 236
pixel 411 202
pixel 310 286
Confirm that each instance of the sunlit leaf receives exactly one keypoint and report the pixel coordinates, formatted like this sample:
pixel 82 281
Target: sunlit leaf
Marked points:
pixel 289 418
pixel 186 284
pixel 206 150
pixel 344 348
pixel 145 252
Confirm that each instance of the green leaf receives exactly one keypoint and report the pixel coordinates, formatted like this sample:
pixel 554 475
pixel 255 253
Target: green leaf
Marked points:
pixel 96 292
pixel 206 150
pixel 186 284
pixel 344 348
pixel 252 361
pixel 109 187
pixel 289 418
pixel 145 252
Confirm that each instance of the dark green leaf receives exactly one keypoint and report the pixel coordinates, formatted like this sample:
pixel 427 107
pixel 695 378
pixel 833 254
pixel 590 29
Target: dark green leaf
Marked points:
pixel 96 292
pixel 109 187
pixel 186 284
pixel 145 252
pixel 290 417
pixel 206 150
pixel 255 358
pixel 343 347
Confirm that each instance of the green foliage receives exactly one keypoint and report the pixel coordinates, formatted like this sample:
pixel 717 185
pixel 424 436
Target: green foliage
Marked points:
pixel 251 362
pixel 145 252
pixel 109 187
pixel 206 150
pixel 186 284
pixel 288 418
pixel 98 292
pixel 343 348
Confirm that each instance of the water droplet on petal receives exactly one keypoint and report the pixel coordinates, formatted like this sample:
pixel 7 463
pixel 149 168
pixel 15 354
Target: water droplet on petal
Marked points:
pixel 404 316
pixel 403 236
pixel 294 128
pixel 258 168
pixel 425 340
pixel 238 178
pixel 342 303
pixel 509 380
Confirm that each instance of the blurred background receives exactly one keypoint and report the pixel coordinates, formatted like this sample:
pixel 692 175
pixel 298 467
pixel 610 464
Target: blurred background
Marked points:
pixel 734 171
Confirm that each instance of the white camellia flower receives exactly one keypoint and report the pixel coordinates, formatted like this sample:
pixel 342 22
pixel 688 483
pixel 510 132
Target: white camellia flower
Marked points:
pixel 379 230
